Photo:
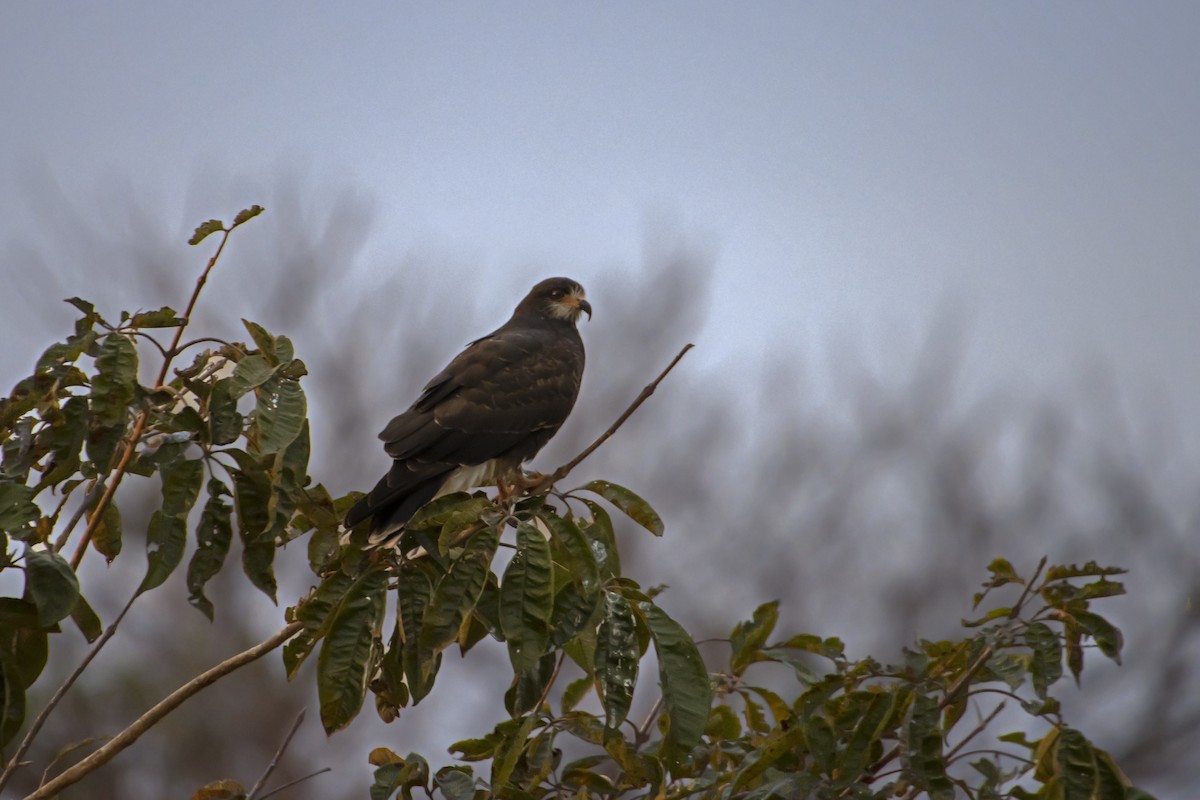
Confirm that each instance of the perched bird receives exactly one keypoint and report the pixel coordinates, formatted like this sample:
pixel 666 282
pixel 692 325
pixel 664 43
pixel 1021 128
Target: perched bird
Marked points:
pixel 492 409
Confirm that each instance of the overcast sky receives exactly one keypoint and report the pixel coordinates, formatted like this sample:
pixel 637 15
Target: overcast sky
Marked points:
pixel 854 167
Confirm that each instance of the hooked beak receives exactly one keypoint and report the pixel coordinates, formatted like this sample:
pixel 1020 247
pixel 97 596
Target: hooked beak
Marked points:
pixel 586 308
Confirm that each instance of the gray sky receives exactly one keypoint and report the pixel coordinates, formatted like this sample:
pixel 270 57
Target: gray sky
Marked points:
pixel 855 169
pixel 855 166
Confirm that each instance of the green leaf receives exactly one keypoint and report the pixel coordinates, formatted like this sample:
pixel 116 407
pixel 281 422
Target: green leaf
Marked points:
pixel 629 503
pixel 342 666
pixel 213 536
pixel 413 593
pixel 264 340
pixel 252 499
pixel 749 637
pixel 280 414
pixel 571 549
pixel 224 421
pixel 164 317
pixel 529 685
pixel 1046 665
pixel 12 699
pixel 86 620
pixel 778 743
pixel 106 537
pixel 247 214
pixel 455 783
pixel 250 373
pixel 687 694
pixel 923 754
pixel 167 534
pixel 115 380
pixel 51 584
pixel 457 593
pixel 17 509
pixel 616 659
pixel 508 754
pixel 572 611
pixel 575 692
pixel 1106 635
pixel 527 599
pixel 205 229
pixel 867 730
pixel 603 541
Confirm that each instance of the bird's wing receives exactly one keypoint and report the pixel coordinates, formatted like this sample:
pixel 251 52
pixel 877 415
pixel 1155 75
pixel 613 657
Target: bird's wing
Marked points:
pixel 499 392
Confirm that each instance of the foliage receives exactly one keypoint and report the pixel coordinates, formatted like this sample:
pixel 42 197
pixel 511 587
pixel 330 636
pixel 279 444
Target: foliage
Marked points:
pixel 774 716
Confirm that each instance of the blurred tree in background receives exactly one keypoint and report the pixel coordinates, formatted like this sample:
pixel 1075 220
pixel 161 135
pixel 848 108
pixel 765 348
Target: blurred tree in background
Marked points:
pixel 883 507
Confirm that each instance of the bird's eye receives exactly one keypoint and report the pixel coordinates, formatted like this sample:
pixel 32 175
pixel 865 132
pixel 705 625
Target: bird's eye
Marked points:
pixel 557 294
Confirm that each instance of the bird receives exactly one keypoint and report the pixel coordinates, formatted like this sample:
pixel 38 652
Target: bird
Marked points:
pixel 492 408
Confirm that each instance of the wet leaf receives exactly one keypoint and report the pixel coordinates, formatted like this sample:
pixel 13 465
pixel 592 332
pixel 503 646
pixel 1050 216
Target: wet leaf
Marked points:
pixel 527 599
pixel 685 686
pixel 629 503
pixel 617 658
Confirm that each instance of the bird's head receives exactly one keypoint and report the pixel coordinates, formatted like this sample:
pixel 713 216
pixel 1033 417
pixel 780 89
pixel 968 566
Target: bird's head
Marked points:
pixel 556 299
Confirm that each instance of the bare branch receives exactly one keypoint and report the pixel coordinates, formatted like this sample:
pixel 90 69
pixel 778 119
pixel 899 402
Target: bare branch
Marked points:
pixel 152 717
pixel 278 754
pixel 565 469
pixel 290 784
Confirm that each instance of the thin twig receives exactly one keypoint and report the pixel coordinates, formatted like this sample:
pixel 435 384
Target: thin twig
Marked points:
pixel 92 492
pixel 643 731
pixel 139 426
pixel 290 784
pixel 40 720
pixel 978 729
pixel 278 755
pixel 553 676
pixel 165 706
pixel 565 469
pixel 202 340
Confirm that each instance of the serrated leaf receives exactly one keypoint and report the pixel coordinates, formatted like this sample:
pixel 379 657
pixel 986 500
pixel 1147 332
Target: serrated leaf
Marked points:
pixel 572 549
pixel 1106 635
pixel 247 214
pixel 508 754
pixel 17 508
pixel 529 685
pixel 616 659
pixel 206 229
pixel 455 783
pixel 280 414
pixel 687 694
pixel 213 536
pixel 575 692
pixel 572 611
pixel 166 536
pixel 923 754
pixel 264 340
pixel 603 541
pixel 749 637
pixel 629 503
pixel 165 317
pixel 86 620
pixel 51 584
pixel 527 599
pixel 12 700
pixel 224 421
pixel 1046 664
pixel 869 727
pixel 413 592
pixel 250 373
pixel 457 593
pixel 115 380
pixel 342 665
pixel 225 789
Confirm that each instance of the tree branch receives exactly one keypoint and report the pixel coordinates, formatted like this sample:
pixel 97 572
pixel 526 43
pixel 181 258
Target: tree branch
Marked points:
pixel 139 427
pixel 565 469
pixel 57 697
pixel 152 717
pixel 278 754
